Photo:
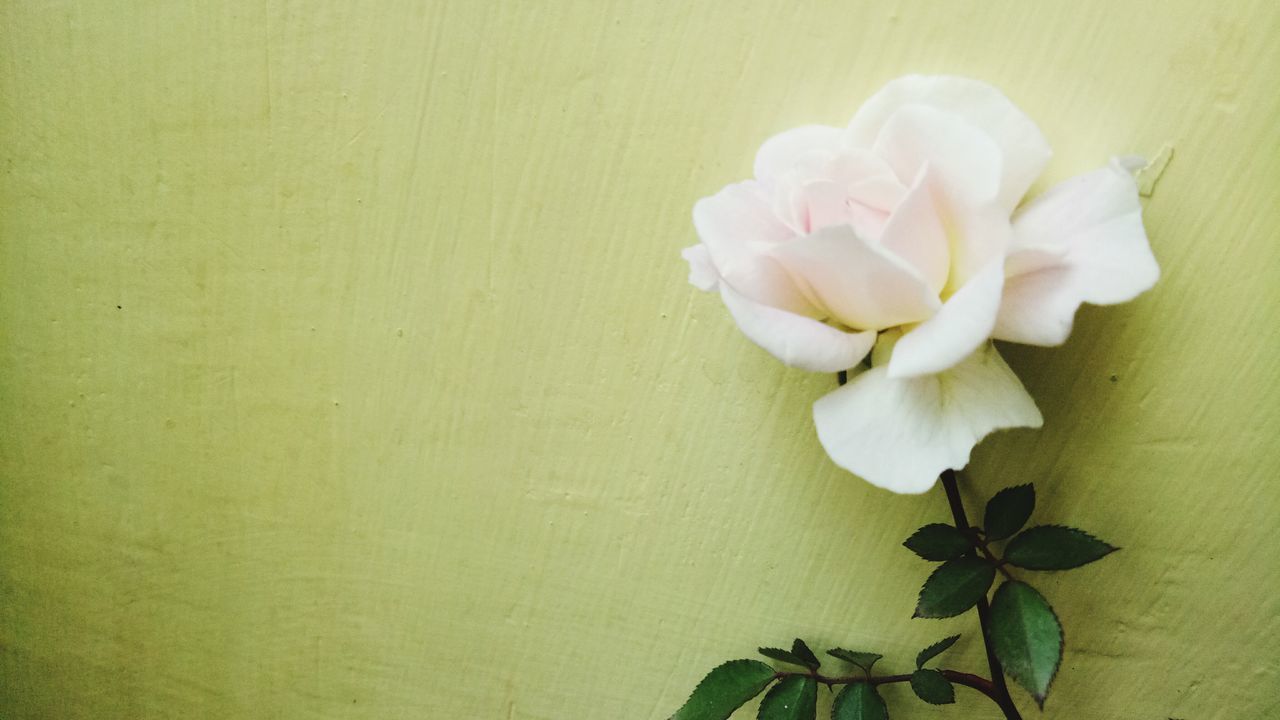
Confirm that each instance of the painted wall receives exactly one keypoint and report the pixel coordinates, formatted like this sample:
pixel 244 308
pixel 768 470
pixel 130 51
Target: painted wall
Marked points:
pixel 349 370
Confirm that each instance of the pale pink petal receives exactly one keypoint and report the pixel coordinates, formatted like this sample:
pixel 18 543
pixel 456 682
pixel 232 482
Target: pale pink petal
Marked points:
pixel 825 203
pixel 965 162
pixel 784 151
pixel 856 281
pixel 915 233
pixel 882 193
pixel 702 272
pixel 853 166
pixel 816 204
pixel 854 186
pixel 788 204
pixel 901 433
pixel 1023 147
pixel 961 326
pixel 870 188
pixel 795 340
pixel 867 221
pixel 1082 241
pixel 739 229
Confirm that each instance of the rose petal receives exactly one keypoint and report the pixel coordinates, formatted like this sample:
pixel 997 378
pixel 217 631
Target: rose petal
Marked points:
pixel 858 282
pixel 979 234
pixel 915 233
pixel 1029 259
pixel 739 229
pixel 900 434
pixel 788 204
pixel 962 324
pixel 1023 147
pixel 1038 308
pixel 1079 203
pixel 797 341
pixel 871 189
pixel 879 193
pixel 822 203
pixel 1082 241
pixel 966 162
pixel 853 164
pixel 825 203
pixel 702 272
pixel 784 151
pixel 866 221
pixel 850 186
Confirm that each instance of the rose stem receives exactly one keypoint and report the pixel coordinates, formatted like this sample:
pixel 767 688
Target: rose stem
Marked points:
pixel 1001 694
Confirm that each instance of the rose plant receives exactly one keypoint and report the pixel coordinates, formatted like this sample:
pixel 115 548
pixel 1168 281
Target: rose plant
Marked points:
pixel 900 238
pixel 894 252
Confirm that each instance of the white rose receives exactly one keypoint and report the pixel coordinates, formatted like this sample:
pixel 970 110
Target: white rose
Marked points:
pixel 899 233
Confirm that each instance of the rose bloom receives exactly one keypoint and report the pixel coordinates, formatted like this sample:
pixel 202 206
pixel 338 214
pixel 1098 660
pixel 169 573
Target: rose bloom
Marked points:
pixel 897 237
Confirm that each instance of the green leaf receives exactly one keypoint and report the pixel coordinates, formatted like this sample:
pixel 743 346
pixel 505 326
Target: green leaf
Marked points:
pixel 785 656
pixel 859 701
pixel 1026 637
pixel 802 651
pixel 935 650
pixel 938 541
pixel 1008 510
pixel 795 698
pixel 725 689
pixel 1054 547
pixel 954 587
pixel 931 687
pixel 863 660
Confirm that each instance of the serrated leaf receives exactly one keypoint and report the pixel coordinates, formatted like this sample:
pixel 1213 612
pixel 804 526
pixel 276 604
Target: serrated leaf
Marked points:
pixel 785 656
pixel 935 650
pixel 725 689
pixel 863 660
pixel 954 587
pixel 859 701
pixel 938 541
pixel 802 651
pixel 1008 510
pixel 795 698
pixel 1026 637
pixel 931 687
pixel 1054 547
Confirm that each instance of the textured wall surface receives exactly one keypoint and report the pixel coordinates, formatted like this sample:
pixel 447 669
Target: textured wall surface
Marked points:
pixel 349 370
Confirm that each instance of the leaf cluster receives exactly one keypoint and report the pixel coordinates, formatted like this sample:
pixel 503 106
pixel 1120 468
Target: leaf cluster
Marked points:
pixel 793 695
pixel 1022 629
pixel 1026 634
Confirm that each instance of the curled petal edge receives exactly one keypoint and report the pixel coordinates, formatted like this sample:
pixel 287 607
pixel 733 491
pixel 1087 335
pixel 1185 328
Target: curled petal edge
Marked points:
pixel 1083 241
pixel 860 283
pixel 900 434
pixel 787 149
pixel 797 341
pixel 959 328
pixel 702 272
pixel 1024 148
pixel 738 228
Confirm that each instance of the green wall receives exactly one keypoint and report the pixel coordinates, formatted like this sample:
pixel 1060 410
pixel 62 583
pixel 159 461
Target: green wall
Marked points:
pixel 349 369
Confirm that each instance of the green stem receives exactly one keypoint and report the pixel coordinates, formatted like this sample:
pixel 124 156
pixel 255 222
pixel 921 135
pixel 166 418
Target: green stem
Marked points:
pixel 1000 694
